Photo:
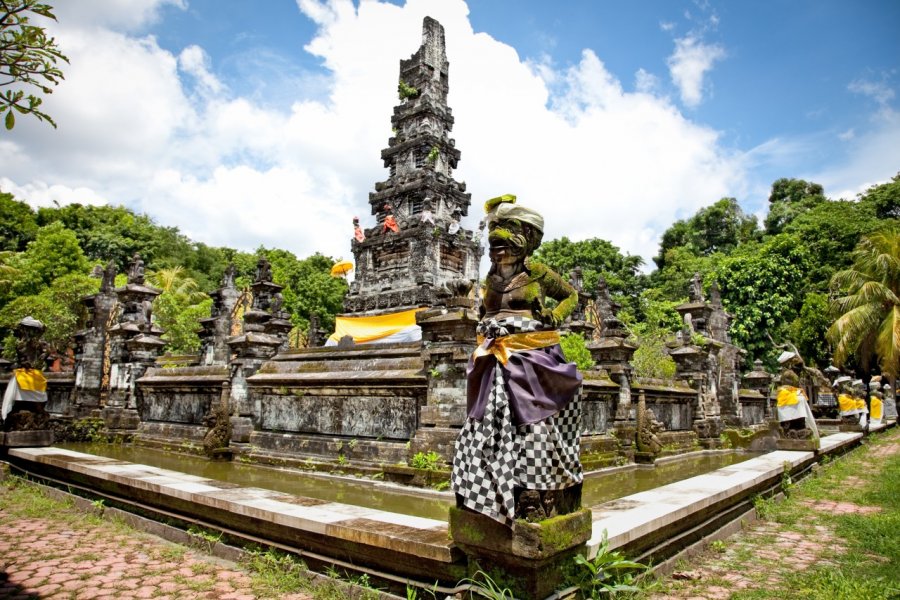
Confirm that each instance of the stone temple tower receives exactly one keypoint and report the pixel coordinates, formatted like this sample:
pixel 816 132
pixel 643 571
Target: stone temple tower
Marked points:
pixel 417 246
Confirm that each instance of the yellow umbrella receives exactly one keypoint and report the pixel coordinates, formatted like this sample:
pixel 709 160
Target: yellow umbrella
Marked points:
pixel 341 268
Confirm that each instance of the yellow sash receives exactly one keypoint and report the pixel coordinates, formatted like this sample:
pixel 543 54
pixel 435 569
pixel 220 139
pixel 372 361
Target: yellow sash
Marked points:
pixel 503 347
pixel 846 403
pixel 860 404
pixel 877 407
pixel 31 380
pixel 788 395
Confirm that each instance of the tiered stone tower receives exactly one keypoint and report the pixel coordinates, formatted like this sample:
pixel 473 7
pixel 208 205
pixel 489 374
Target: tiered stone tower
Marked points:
pixel 410 267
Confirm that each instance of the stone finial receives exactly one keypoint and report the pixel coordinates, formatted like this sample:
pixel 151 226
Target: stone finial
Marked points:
pixel 715 296
pixel 263 270
pixel 136 270
pixel 108 282
pixel 696 290
pixel 228 276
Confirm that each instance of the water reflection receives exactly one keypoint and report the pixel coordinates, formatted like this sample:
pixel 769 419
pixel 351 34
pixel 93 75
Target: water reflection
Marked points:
pixel 598 487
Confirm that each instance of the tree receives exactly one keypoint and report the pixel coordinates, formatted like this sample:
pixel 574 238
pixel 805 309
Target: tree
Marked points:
pixel 28 60
pixel 762 287
pixel 179 309
pixel 884 198
pixel 57 306
pixel 868 312
pixel 717 228
pixel 808 329
pixel 53 253
pixel 18 225
pixel 596 258
pixel 788 199
pixel 830 230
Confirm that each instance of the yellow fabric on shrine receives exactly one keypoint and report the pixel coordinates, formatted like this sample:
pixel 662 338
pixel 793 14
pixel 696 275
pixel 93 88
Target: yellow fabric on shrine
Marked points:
pixel 877 408
pixel 374 327
pixel 846 403
pixel 31 380
pixel 503 347
pixel 860 404
pixel 787 395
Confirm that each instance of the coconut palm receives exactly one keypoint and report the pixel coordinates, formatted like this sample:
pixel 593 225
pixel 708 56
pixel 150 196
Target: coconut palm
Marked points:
pixel 178 309
pixel 868 314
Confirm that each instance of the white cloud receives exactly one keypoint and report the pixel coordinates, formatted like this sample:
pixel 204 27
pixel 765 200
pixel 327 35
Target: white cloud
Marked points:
pixel 228 169
pixel 114 14
pixel 688 66
pixel 847 135
pixel 879 91
pixel 645 82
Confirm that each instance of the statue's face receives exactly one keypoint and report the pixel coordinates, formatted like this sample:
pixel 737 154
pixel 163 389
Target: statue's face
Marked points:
pixel 510 241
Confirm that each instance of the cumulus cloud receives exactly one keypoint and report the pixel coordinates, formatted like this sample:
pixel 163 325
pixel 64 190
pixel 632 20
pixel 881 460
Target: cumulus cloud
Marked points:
pixel 689 64
pixel 228 169
pixel 878 91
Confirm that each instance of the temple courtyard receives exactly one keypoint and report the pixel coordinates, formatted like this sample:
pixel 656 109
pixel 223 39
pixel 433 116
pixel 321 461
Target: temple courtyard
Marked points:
pixel 834 535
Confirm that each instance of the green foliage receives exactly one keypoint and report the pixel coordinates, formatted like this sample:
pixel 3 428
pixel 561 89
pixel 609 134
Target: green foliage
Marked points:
pixel 28 59
pixel 179 309
pixel 761 286
pixel 86 430
pixel 575 350
pixel 18 223
pixel 430 461
pixel 651 359
pixel 868 311
pixel 807 331
pixel 433 155
pixel 788 199
pixel 596 258
pixel 53 253
pixel 608 573
pixel 309 287
pixel 885 198
pixel 717 228
pixel 58 307
pixel 404 90
pixel 483 585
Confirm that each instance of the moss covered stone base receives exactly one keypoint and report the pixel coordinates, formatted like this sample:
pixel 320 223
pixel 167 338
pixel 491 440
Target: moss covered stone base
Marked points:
pixel 531 559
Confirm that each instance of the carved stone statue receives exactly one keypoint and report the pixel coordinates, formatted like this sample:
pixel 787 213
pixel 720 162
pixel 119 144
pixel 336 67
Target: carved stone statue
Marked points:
pixel 520 387
pixel 263 270
pixel 136 270
pixel 228 276
pixel 26 393
pixel 696 291
pixel 647 428
pixel 108 283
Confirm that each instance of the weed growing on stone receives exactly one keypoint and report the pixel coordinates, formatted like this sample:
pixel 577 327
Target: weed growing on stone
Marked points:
pixel 429 461
pixel 481 585
pixel 607 574
pixel 275 573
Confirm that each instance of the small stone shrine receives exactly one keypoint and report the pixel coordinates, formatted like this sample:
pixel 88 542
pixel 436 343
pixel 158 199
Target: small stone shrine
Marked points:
pixel 92 344
pixel 25 421
pixel 417 245
pixel 219 325
pixel 134 345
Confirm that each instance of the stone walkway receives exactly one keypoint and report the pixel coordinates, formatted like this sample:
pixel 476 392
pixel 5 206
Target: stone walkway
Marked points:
pixel 761 557
pixel 72 556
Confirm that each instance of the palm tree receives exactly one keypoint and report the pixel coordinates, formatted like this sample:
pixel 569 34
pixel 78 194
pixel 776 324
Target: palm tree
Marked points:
pixel 178 309
pixel 868 315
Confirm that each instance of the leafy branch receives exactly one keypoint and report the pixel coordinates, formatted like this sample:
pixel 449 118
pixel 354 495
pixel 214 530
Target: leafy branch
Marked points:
pixel 28 57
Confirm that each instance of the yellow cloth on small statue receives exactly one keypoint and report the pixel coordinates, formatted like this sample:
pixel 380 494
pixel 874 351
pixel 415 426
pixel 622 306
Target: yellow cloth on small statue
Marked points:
pixel 373 327
pixel 502 347
pixel 861 405
pixel 877 408
pixel 847 404
pixel 787 395
pixel 31 380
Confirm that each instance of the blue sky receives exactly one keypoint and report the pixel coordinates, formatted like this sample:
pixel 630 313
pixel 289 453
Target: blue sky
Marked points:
pixel 248 124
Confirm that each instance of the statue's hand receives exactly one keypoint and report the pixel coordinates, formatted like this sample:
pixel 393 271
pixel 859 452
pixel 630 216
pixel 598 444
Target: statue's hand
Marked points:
pixel 548 317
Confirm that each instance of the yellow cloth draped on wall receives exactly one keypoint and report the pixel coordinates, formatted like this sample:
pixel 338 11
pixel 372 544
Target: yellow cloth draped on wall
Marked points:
pixel 373 327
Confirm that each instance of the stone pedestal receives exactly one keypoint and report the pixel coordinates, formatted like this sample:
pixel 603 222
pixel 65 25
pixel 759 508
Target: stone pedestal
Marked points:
pixel 448 335
pixel 26 439
pixel 530 559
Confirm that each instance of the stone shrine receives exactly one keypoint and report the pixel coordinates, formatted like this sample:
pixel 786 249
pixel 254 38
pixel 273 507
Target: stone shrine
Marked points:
pixel 417 246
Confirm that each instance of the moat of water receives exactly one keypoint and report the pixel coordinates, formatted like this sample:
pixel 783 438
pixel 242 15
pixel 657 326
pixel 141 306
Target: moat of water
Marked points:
pixel 599 487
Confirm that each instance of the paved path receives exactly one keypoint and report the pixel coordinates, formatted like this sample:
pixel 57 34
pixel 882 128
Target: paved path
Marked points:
pixel 69 555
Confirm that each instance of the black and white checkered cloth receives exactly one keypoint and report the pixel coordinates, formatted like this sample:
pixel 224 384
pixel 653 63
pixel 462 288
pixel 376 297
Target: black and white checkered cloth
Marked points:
pixel 492 457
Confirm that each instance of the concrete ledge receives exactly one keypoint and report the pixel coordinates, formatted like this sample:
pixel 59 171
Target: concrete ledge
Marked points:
pixel 398 543
pixel 641 519
pixel 839 442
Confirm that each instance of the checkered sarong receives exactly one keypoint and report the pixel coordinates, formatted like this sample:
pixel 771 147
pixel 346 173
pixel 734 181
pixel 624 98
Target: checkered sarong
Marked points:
pixel 492 457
